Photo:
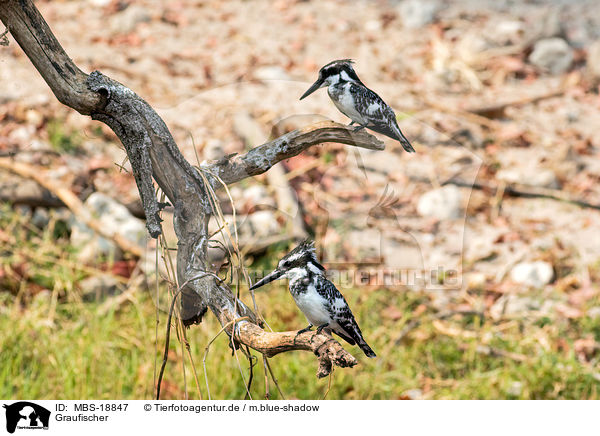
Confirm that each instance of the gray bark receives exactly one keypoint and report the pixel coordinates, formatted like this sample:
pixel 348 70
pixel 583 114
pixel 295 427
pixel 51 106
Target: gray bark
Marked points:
pixel 155 156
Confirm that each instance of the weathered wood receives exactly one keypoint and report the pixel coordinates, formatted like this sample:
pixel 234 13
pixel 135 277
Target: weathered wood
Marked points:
pixel 154 155
pixel 261 158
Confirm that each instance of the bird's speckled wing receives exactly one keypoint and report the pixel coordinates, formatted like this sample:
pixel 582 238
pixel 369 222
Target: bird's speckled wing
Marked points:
pixel 340 312
pixel 381 118
pixel 342 320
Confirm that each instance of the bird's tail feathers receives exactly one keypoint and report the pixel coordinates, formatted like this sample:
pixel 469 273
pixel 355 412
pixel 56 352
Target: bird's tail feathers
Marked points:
pixel 353 330
pixel 403 141
pixel 393 132
pixel 345 337
pixel 405 144
pixel 366 349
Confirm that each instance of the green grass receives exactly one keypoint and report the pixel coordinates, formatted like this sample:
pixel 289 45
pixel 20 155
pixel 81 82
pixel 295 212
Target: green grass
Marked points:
pixel 79 354
pixel 54 345
pixel 63 139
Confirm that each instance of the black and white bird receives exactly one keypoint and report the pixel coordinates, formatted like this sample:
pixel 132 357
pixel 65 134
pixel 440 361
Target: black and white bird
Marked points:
pixel 320 301
pixel 357 102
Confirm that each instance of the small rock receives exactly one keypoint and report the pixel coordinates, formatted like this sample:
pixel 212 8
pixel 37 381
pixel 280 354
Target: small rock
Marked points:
pixel 22 134
pixel 513 305
pixel 413 394
pixel 40 217
pixel 42 299
pixel 593 312
pixel 23 209
pixel 567 311
pixel 441 300
pixel 263 223
pixel 252 229
pixel 257 194
pixel 418 13
pixel 34 117
pixel 441 203
pixel 515 389
pixel 115 218
pixel 475 280
pixel 593 61
pixel 506 32
pixel 40 145
pixel 96 288
pixel 271 72
pixel 535 274
pixel 552 55
pixel 373 26
pixel 470 46
pixel 481 246
pixel 127 20
pixel 213 150
pixel 20 190
pixel 540 177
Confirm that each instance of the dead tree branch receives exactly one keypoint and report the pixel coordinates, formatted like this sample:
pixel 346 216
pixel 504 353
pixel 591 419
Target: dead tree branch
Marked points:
pixel 154 154
pixel 258 160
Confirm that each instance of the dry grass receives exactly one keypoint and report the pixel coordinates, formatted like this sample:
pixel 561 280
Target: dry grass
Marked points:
pixel 54 345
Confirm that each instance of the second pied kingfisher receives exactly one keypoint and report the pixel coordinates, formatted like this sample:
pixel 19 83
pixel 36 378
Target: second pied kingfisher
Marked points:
pixel 357 102
pixel 320 301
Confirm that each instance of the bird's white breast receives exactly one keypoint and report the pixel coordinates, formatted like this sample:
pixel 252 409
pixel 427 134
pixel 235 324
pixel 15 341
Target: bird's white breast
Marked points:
pixel 344 101
pixel 313 306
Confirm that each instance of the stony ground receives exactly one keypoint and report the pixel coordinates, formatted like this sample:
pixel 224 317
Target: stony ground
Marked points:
pixel 499 206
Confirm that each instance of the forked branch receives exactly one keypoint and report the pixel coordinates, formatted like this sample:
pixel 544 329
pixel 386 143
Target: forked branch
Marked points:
pixel 154 154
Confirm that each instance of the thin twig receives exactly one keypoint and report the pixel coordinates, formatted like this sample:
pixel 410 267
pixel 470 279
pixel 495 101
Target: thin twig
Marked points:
pixel 251 362
pixel 168 333
pixel 519 190
pixel 328 385
pixel 234 321
pixel 265 363
pixel 274 378
pixel 167 340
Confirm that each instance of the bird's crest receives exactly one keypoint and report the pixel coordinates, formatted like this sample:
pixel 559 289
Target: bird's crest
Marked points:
pixel 339 62
pixel 301 255
pixel 337 67
pixel 306 246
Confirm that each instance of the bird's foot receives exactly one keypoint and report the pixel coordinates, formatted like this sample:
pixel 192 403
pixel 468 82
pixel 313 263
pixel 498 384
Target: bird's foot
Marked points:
pixel 321 327
pixel 351 123
pixel 357 128
pixel 304 330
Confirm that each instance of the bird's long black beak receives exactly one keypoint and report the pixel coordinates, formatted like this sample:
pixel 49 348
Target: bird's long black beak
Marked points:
pixel 267 279
pixel 313 88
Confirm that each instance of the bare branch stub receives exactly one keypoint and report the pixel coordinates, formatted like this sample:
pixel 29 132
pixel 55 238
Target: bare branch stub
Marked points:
pixel 262 158
pixel 154 154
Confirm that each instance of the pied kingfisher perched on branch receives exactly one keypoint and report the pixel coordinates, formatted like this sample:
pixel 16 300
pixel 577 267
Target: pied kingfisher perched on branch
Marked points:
pixel 358 102
pixel 320 301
